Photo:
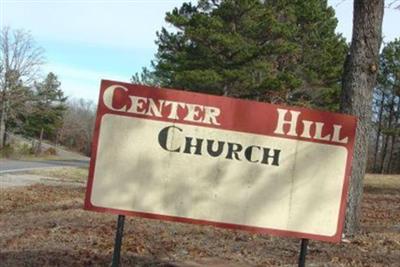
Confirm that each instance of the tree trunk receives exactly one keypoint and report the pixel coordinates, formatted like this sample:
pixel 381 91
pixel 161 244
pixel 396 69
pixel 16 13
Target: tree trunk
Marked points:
pixel 390 169
pixel 389 164
pixel 359 78
pixel 385 142
pixel 3 119
pixel 378 133
pixel 39 148
pixel 389 127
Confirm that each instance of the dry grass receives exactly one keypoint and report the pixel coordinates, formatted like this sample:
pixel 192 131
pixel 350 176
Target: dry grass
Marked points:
pixel 44 225
pixel 75 174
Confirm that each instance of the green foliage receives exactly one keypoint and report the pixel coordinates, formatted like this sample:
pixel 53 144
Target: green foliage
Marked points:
pixel 146 77
pixel 277 51
pixel 46 109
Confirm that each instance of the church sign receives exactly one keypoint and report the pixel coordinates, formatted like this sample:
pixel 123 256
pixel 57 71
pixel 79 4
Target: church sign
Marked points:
pixel 196 158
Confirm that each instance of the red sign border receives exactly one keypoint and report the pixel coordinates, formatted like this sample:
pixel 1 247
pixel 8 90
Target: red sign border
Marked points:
pixel 102 110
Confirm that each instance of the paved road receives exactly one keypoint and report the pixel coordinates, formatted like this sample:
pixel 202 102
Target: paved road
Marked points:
pixel 7 166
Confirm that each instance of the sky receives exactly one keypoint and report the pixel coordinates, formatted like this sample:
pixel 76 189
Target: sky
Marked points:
pixel 86 41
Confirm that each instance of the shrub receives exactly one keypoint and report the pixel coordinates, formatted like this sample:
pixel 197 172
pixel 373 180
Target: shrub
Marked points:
pixel 24 150
pixel 7 151
pixel 50 151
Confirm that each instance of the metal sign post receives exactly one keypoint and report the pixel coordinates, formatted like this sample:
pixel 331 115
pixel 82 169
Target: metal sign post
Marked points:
pixel 120 230
pixel 303 252
pixel 118 241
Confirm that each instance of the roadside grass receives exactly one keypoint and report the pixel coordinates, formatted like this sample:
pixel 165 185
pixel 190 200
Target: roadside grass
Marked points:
pixel 382 181
pixel 26 155
pixel 75 174
pixel 25 151
pixel 33 157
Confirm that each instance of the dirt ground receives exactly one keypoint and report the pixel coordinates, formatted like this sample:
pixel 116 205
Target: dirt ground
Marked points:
pixel 45 225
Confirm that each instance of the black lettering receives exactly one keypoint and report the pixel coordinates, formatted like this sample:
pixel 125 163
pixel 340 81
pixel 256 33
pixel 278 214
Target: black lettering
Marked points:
pixel 210 150
pixel 189 145
pixel 275 156
pixel 248 153
pixel 163 136
pixel 234 149
pixel 216 148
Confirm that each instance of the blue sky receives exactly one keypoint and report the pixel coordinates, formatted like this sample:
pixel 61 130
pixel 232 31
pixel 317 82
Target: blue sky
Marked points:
pixel 86 41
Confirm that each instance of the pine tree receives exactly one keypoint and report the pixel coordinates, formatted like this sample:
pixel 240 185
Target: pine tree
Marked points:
pixel 276 51
pixel 47 108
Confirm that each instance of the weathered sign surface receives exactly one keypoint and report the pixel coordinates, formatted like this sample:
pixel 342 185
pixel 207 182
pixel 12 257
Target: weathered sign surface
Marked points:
pixel 189 157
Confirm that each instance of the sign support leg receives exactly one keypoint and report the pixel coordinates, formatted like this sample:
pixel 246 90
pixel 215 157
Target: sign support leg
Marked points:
pixel 118 241
pixel 303 252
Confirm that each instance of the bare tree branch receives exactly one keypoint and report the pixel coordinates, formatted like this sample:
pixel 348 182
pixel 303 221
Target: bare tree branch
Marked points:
pixel 20 62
